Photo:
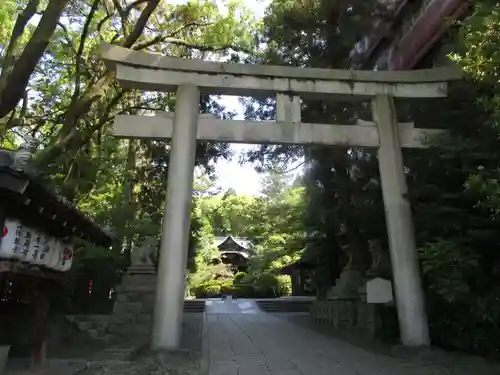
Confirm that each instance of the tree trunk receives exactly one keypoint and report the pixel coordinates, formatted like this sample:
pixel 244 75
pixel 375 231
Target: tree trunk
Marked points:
pixel 359 257
pixel 129 192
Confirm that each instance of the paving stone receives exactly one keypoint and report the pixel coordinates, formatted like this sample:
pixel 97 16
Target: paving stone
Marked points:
pixel 287 372
pixel 125 317
pixel 261 344
pixel 223 368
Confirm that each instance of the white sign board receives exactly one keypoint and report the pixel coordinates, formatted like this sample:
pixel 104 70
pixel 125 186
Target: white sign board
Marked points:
pixel 379 290
pixel 34 247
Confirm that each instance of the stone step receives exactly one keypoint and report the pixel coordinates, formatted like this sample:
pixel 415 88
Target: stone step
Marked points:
pixel 127 318
pixel 116 353
pixel 90 317
pixel 84 325
pixel 123 307
pixel 275 305
pixel 194 305
pixel 107 338
pixel 96 333
pixel 136 330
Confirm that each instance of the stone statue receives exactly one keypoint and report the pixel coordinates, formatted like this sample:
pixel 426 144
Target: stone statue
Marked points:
pixel 145 255
pixel 23 156
pixel 381 264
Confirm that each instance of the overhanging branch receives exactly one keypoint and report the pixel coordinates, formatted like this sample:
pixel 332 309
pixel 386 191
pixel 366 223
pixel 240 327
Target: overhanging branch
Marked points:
pixel 17 80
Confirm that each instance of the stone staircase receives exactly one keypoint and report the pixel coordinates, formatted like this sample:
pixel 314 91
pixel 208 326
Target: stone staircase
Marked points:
pixel 128 321
pixel 96 326
pixel 278 305
pixel 194 306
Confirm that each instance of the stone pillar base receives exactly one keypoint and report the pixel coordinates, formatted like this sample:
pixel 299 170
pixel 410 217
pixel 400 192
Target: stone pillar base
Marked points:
pixel 134 302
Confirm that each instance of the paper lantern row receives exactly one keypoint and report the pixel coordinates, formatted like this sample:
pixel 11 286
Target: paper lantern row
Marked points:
pixel 32 246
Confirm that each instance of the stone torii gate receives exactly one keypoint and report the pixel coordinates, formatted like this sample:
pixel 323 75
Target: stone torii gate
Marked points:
pixel 139 70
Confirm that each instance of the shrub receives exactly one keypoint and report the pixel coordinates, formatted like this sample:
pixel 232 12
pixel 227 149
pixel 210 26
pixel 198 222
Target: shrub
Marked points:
pixel 212 290
pixel 269 285
pixel 207 290
pixel 227 288
pixel 244 290
pixel 463 313
pixel 239 278
pixel 284 285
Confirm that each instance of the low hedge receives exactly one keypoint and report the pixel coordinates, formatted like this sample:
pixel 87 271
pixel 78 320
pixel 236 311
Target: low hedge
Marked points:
pixel 243 286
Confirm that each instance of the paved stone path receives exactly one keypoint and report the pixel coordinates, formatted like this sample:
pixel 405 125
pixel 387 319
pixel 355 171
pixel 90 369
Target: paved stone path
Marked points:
pixel 242 340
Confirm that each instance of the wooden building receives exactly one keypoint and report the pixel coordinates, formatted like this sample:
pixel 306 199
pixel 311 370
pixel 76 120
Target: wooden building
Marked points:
pixel 36 251
pixel 235 251
pixel 301 273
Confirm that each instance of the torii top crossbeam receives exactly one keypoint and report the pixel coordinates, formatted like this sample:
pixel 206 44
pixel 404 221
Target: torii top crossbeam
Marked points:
pixel 147 71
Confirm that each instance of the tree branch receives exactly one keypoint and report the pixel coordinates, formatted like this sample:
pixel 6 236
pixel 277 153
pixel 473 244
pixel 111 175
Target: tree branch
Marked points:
pixel 66 35
pixel 162 38
pixel 53 152
pixel 123 15
pixel 18 78
pixel 180 42
pixel 129 8
pixel 81 47
pixel 141 23
pixel 80 106
pixel 103 21
pixel 21 22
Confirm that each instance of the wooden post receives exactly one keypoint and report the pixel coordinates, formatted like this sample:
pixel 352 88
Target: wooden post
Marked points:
pixel 41 323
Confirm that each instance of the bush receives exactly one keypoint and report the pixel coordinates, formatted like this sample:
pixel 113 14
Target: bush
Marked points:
pixel 463 313
pixel 272 286
pixel 244 290
pixel 212 290
pixel 228 288
pixel 266 285
pixel 284 285
pixel 207 290
pixel 239 278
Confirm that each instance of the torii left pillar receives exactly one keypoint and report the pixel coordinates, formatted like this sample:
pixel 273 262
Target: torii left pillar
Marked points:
pixel 176 220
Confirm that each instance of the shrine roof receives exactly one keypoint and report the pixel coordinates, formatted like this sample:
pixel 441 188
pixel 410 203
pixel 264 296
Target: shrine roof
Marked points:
pixel 24 196
pixel 240 241
pixel 305 263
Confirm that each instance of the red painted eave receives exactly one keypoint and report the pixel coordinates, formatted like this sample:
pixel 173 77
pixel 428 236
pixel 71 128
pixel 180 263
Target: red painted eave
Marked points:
pixel 428 28
pixel 364 48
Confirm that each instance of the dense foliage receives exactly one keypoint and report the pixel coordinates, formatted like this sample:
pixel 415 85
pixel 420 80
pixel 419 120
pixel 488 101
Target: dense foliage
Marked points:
pixel 273 222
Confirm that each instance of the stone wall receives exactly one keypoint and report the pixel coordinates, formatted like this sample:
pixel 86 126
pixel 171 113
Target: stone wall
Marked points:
pixel 133 309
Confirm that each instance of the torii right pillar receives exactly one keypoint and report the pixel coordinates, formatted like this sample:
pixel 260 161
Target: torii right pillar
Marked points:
pixel 413 325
